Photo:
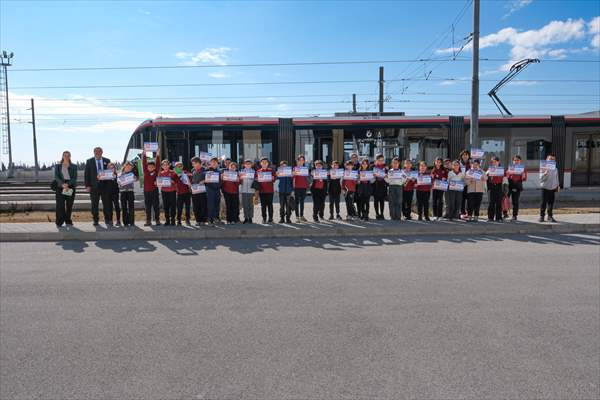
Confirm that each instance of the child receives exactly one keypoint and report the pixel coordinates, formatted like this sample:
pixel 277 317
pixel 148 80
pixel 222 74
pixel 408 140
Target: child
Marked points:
pixel 407 190
pixel 318 190
pixel 550 185
pixel 213 191
pixel 151 201
pixel 334 191
pixel 448 167
pixel 168 192
pixel 266 189
pixel 128 196
pixel 248 191
pixel 300 184
pixel 380 189
pixel 113 188
pixel 231 194
pixel 423 191
pixel 438 173
pixel 455 196
pixel 184 193
pixel 349 187
pixel 199 201
pixel 395 182
pixel 475 189
pixel 465 165
pixel 515 185
pixel 364 191
pixel 494 192
pixel 285 187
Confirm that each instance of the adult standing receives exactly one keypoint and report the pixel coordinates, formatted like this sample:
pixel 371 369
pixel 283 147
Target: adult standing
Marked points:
pixel 65 180
pixel 98 189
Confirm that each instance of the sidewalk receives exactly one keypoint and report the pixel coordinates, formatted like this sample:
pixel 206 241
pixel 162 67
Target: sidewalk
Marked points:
pixel 47 232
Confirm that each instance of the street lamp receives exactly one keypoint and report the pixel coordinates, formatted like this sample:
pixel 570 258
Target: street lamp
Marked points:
pixel 5 62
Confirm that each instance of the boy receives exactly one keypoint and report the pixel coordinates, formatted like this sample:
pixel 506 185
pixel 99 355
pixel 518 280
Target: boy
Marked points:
pixel 212 182
pixel 231 193
pixel 127 196
pixel 335 191
pixel 300 184
pixel 408 190
pixel 550 185
pixel 349 186
pixel 151 201
pixel 113 188
pixel 423 191
pixel 379 187
pixel 248 191
pixel 515 184
pixel 455 196
pixel 318 190
pixel 168 192
pixel 184 194
pixel 494 191
pixel 285 187
pixel 265 177
pixel 395 183
pixel 438 173
pixel 475 189
pixel 364 190
pixel 198 191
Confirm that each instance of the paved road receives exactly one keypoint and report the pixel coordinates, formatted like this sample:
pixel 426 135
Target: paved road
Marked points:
pixel 396 318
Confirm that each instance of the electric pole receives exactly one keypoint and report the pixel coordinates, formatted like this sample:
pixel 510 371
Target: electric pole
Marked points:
pixel 474 136
pixel 381 90
pixel 354 103
pixel 5 114
pixel 35 156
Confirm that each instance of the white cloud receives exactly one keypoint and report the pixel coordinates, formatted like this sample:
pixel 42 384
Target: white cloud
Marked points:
pixel 218 75
pixel 558 53
pixel 448 83
pixel 516 5
pixel 210 55
pixel 594 30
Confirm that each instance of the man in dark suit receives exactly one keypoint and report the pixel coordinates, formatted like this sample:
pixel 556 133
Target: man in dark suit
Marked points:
pixel 98 189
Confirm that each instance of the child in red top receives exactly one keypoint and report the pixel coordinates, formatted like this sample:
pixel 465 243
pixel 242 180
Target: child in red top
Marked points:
pixel 408 190
pixel 423 191
pixel 265 177
pixel 168 191
pixel 184 193
pixel 438 173
pixel 515 185
pixel 318 190
pixel 349 188
pixel 151 201
pixel 300 185
pixel 494 191
pixel 231 189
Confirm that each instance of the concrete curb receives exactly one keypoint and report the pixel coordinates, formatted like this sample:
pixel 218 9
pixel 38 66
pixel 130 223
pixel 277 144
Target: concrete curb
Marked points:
pixel 304 231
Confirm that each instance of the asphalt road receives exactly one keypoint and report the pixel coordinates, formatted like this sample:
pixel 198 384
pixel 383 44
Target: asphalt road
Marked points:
pixel 426 318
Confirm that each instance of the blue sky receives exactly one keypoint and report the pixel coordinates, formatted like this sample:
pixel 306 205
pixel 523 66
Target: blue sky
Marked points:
pixel 47 34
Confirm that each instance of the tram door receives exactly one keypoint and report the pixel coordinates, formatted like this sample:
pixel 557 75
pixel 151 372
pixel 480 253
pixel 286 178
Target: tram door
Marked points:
pixel 177 149
pixel 325 150
pixel 587 160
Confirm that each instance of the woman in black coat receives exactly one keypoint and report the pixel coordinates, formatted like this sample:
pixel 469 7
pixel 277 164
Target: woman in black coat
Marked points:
pixel 65 180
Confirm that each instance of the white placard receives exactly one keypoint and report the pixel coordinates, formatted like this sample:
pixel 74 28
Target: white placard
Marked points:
pixel 496 171
pixel 396 174
pixel 126 179
pixel 198 188
pixel 106 175
pixel 477 153
pixel 247 174
pixel 301 171
pixel 351 175
pixel 320 173
pixel 205 156
pixel 458 186
pixel 379 173
pixel 212 177
pixel 336 173
pixel 475 174
pixel 548 165
pixel 413 175
pixel 423 180
pixel 230 176
pixel 366 175
pixel 151 146
pixel 265 176
pixel 163 181
pixel 516 169
pixel 440 185
pixel 184 179
pixel 284 172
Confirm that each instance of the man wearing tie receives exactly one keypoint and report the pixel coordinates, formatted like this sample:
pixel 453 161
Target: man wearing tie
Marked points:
pixel 98 189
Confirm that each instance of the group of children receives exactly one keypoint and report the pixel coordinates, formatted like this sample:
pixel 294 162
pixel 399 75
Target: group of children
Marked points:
pixel 453 189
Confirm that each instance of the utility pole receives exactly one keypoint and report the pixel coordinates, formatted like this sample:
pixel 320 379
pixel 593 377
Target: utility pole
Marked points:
pixel 35 156
pixel 5 62
pixel 474 136
pixel 380 90
pixel 354 103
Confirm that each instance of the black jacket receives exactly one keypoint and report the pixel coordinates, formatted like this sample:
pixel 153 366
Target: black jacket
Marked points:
pixel 91 172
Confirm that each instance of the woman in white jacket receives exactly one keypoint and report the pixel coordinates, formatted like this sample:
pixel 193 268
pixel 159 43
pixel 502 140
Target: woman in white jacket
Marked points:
pixel 550 184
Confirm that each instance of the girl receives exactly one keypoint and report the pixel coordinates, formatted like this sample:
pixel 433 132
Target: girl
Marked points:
pixel 438 173
pixel 364 191
pixel 285 187
pixel 168 190
pixel 349 187
pixel 516 177
pixel 151 201
pixel 379 187
pixel 494 191
pixel 475 182
pixel 407 190
pixel 184 194
pixel 248 191
pixel 127 196
pixel 213 190
pixel 455 196
pixel 335 191
pixel 65 176
pixel 231 194
pixel 423 191
pixel 550 184
pixel 300 184
pixel 199 201
pixel 465 165
pixel 318 190
pixel 395 180
pixel 113 188
pixel 265 177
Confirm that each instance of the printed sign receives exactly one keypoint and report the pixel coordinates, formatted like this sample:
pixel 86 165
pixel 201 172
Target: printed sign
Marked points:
pixel 547 165
pixel 320 174
pixel 106 175
pixel 126 179
pixel 496 171
pixel 379 173
pixel 336 173
pixel 516 169
pixel 284 172
pixel 205 156
pixel 151 146
pixel 413 174
pixel 458 186
pixel 230 176
pixel 212 177
pixel 184 179
pixel 351 175
pixel 423 180
pixel 247 174
pixel 265 176
pixel 440 185
pixel 475 174
pixel 396 174
pixel 301 171
pixel 477 153
pixel 198 188
pixel 163 181
pixel 366 175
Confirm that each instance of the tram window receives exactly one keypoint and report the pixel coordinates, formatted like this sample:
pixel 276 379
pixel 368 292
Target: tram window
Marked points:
pixel 305 140
pixel 493 147
pixel 538 149
pixel 413 151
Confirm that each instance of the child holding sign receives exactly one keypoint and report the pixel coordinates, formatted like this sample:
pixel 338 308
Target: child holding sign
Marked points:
pixel 318 190
pixel 349 187
pixel 151 201
pixel 550 184
pixel 212 182
pixel 113 188
pixel 126 181
pixel 455 190
pixel 364 189
pixel 475 182
pixel 517 174
pixel 231 187
pixel 380 186
pixel 167 182
pixel 408 189
pixel 335 189
pixel 423 191
pixel 395 179
pixel 198 191
pixel 284 187
pixel 184 194
pixel 495 175
pixel 438 173
pixel 248 191
pixel 265 177
pixel 300 183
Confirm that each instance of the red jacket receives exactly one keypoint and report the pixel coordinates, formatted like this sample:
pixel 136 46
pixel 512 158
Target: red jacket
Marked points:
pixel 182 188
pixel 440 174
pixel 150 177
pixel 230 187
pixel 349 185
pixel 495 180
pixel 174 180
pixel 300 182
pixel 517 178
pixel 265 187
pixel 424 188
pixel 409 185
